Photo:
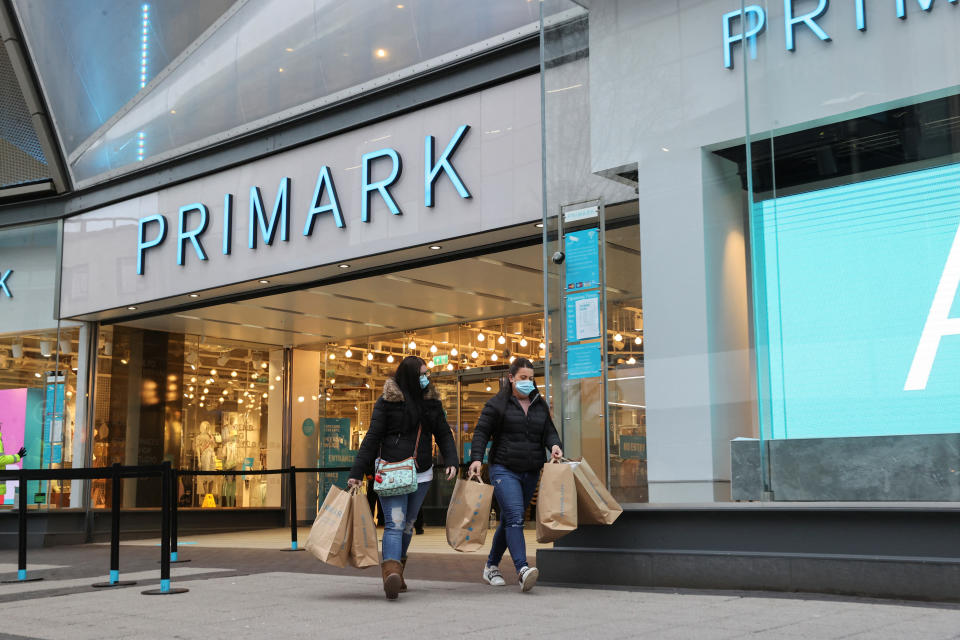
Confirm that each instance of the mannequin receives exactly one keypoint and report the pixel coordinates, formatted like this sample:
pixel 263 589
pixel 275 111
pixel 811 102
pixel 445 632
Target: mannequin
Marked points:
pixel 231 461
pixel 203 448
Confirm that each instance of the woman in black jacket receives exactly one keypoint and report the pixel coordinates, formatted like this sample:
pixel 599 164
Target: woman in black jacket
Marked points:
pixel 406 417
pixel 518 421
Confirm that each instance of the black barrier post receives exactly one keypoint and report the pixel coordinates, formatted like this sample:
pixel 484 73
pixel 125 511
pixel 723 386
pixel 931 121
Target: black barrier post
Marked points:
pixel 22 536
pixel 115 535
pixel 174 518
pixel 165 486
pixel 293 510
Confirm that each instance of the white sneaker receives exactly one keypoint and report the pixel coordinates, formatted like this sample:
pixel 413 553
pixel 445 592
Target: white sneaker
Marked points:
pixel 528 577
pixel 492 576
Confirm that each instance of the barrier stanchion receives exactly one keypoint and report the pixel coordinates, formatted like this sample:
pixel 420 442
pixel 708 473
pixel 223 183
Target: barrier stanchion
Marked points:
pixel 165 486
pixel 22 536
pixel 174 518
pixel 115 535
pixel 293 510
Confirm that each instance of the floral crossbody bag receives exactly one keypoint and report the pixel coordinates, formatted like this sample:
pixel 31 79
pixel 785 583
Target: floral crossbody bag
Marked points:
pixel 397 478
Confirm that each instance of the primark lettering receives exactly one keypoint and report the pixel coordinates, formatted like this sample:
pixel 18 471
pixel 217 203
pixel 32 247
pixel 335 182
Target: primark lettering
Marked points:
pixel 194 218
pixel 753 22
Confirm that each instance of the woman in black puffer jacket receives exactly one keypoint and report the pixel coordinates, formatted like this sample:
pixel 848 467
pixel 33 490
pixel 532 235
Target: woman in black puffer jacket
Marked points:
pixel 518 421
pixel 409 404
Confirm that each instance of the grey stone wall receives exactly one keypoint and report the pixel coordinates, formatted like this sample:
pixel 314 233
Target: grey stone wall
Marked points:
pixel 878 468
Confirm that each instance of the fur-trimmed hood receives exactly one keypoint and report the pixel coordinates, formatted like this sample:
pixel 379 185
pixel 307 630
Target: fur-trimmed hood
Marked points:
pixel 392 392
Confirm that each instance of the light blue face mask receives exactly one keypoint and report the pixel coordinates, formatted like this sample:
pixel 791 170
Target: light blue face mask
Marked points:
pixel 525 387
pixel 424 381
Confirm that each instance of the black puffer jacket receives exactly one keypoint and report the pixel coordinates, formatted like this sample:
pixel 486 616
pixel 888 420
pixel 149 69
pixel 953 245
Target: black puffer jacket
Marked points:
pixel 392 437
pixel 520 440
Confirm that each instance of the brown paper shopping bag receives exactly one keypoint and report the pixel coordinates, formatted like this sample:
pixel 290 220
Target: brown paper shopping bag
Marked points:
pixel 595 505
pixel 556 502
pixel 363 545
pixel 330 534
pixel 468 515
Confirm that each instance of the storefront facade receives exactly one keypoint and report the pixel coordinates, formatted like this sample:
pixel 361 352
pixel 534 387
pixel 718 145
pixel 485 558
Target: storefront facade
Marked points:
pixel 763 316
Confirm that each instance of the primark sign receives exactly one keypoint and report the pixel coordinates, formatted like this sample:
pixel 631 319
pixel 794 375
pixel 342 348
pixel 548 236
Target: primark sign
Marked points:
pixel 194 219
pixel 750 23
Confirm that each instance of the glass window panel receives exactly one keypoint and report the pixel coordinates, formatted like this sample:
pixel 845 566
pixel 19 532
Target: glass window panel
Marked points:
pixel 262 62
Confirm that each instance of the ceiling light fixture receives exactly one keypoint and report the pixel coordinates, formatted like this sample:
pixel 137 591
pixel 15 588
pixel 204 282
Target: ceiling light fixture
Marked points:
pixel 348 353
pixel 333 356
pixel 523 342
pixel 390 358
pixel 481 337
pixel 494 357
pixel 412 345
pixel 618 338
pixel 194 295
pixel 131 308
pixel 436 247
pixel 638 340
pixel 370 356
pixel 502 340
pixel 344 266
pixel 433 348
pixel 454 352
pixel 474 354
pixel 263 281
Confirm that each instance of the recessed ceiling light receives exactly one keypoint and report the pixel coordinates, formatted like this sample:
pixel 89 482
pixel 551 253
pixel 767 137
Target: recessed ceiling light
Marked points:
pixel 194 295
pixel 381 53
pixel 132 308
pixel 289 50
pixel 264 281
pixel 344 266
pixel 435 247
pixel 539 225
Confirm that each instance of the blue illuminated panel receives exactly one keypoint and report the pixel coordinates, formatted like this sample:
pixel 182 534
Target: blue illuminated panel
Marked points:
pixel 845 281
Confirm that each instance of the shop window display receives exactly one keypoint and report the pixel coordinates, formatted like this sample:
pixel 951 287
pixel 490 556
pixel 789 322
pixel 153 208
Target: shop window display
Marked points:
pixel 38 411
pixel 203 406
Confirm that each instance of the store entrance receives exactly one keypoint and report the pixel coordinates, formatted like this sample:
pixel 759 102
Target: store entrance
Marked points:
pixel 290 378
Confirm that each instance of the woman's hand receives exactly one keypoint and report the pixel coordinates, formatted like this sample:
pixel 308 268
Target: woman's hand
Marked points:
pixel 451 472
pixel 556 452
pixel 474 468
pixel 353 482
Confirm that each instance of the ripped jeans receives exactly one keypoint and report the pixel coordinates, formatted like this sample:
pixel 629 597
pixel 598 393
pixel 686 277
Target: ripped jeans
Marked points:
pixel 400 512
pixel 513 491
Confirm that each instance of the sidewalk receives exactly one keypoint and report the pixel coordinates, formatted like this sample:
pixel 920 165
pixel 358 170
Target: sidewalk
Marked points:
pixel 240 593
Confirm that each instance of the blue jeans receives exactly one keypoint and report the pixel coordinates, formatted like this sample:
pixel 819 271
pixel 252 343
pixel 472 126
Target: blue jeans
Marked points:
pixel 399 514
pixel 513 492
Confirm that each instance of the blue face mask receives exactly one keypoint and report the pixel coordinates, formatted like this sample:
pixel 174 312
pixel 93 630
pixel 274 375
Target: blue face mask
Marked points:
pixel 525 387
pixel 424 381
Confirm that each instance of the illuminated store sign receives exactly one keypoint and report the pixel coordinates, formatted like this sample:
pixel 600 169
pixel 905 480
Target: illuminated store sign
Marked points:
pixel 753 23
pixel 858 321
pixel 194 219
pixel 4 283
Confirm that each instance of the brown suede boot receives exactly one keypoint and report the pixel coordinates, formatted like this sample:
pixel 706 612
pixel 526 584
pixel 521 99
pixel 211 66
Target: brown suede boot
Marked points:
pixel 403 566
pixel 392 578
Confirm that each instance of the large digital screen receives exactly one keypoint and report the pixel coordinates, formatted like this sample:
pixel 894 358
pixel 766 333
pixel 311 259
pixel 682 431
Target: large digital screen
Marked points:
pixel 855 288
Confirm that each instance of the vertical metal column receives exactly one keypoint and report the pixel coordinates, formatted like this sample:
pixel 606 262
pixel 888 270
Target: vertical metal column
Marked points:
pixel 22 535
pixel 115 534
pixel 165 485
pixel 292 509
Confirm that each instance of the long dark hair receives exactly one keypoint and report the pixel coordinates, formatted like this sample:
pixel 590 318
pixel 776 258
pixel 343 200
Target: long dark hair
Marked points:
pixel 407 377
pixel 506 387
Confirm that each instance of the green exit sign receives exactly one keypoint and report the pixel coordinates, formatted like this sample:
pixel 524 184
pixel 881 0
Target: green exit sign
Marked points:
pixel 439 360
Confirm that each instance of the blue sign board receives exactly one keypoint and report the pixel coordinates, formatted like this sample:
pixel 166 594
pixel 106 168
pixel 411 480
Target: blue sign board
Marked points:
pixel 584 360
pixel 308 427
pixel 582 250
pixel 855 289
pixel 583 316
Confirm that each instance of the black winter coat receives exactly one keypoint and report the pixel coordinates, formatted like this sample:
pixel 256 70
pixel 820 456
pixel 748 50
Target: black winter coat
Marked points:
pixel 392 438
pixel 520 440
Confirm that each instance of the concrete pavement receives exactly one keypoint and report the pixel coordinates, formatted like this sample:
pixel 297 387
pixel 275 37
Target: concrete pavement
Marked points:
pixel 240 593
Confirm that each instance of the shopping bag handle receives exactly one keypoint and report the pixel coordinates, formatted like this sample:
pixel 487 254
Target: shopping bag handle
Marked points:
pixel 475 476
